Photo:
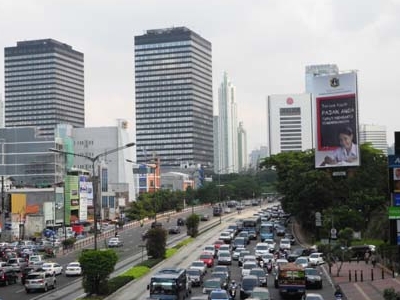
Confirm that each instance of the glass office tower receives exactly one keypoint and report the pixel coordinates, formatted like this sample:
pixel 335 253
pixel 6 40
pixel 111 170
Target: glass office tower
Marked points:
pixel 44 86
pixel 174 104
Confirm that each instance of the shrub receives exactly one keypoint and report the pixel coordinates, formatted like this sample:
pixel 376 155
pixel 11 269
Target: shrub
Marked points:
pixel 150 262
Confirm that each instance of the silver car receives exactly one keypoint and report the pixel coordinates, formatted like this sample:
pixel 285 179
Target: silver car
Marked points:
pixel 40 281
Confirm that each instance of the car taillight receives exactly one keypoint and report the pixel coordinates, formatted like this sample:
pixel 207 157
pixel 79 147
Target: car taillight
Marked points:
pixel 41 281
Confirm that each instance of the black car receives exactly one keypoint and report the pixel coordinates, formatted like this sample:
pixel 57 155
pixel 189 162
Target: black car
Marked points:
pixel 249 282
pixel 313 278
pixel 174 230
pixel 8 276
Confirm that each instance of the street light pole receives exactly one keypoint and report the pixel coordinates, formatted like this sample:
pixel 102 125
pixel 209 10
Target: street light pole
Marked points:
pixel 93 160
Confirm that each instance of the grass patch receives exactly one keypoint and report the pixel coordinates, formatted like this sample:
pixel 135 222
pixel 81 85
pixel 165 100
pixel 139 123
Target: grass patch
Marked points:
pixel 170 252
pixel 136 272
pixel 184 242
pixel 367 242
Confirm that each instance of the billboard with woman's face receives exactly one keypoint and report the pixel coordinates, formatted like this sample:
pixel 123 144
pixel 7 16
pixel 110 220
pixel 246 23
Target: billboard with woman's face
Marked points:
pixel 336 120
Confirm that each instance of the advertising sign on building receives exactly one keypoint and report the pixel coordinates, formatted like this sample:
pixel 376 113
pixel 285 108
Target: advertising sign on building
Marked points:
pixel 336 120
pixel 83 197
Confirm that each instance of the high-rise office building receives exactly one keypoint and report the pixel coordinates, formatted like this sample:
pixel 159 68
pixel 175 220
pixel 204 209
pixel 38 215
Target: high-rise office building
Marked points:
pixel 44 86
pixel 227 128
pixel 374 134
pixel 242 148
pixel 289 123
pixel 174 103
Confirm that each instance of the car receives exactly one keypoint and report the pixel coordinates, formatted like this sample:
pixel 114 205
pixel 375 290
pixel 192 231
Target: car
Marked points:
pixel 17 264
pixel 212 284
pixel 316 258
pixel 252 234
pixel 285 244
pixel 8 276
pixel 261 248
pixel 210 249
pixel 195 276
pixel 207 258
pixel 199 264
pixel 223 276
pixel 223 269
pixel 174 230
pixel 52 268
pixel 302 261
pixel 36 260
pixel 249 282
pixel 261 275
pixel 218 244
pixel 292 257
pixel 224 257
pixel 145 234
pixel 280 230
pixel 226 237
pixel 260 293
pixel 271 243
pixel 236 253
pixel 156 224
pixel 239 242
pixel 313 278
pixel 219 294
pixel 39 281
pixel 225 247
pixel 204 217
pixel 245 234
pixel 73 269
pixel 115 242
pixel 247 266
pixel 290 237
pixel 312 296
pixel 241 257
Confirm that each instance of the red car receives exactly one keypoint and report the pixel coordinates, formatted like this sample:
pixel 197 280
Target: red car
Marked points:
pixel 207 258
pixel 218 244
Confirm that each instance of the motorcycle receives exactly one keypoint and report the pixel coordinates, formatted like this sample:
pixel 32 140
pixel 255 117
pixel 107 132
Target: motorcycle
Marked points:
pixel 269 267
pixel 232 292
pixel 338 296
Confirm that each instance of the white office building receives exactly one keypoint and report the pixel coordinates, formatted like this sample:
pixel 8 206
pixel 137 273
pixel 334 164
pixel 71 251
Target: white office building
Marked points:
pixel 242 148
pixel 374 134
pixel 289 123
pixel 256 156
pixel 227 128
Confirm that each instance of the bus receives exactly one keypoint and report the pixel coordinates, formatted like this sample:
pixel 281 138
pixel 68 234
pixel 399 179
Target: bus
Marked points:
pixel 217 211
pixel 267 231
pixel 169 284
pixel 291 280
pixel 252 224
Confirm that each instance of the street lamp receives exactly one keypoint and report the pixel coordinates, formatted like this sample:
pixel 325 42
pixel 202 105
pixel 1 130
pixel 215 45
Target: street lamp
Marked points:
pixel 93 160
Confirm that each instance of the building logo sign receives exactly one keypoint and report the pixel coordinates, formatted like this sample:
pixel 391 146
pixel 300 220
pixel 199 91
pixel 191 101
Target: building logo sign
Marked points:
pixel 334 82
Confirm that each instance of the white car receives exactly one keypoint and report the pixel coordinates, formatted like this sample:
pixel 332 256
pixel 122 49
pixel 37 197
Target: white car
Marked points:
pixel 115 242
pixel 73 269
pixel 210 249
pixel 225 236
pixel 271 244
pixel 285 244
pixel 199 264
pixel 225 247
pixel 52 268
pixel 261 249
pixel 316 259
pixel 247 266
pixel 302 261
pixel 224 257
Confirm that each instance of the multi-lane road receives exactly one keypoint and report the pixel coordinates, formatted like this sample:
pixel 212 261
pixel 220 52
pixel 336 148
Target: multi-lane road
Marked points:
pixel 69 288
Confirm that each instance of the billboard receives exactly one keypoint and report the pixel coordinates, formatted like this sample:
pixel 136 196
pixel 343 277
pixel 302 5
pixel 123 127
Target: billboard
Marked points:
pixel 336 120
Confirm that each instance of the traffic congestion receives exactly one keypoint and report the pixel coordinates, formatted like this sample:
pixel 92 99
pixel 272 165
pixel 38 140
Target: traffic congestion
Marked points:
pixel 256 256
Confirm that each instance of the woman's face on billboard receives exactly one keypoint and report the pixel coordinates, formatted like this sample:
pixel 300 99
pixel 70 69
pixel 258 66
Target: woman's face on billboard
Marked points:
pixel 346 140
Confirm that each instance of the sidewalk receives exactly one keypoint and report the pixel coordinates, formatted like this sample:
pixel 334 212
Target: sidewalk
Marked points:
pixel 358 281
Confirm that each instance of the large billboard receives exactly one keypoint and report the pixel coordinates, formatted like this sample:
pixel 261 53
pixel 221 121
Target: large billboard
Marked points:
pixel 336 120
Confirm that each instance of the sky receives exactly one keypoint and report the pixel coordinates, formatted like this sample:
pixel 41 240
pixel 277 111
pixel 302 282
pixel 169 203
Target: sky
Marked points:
pixel 263 45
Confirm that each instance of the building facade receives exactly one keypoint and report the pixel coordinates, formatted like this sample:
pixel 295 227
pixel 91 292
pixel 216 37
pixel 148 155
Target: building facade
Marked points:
pixel 242 148
pixel 374 134
pixel 256 156
pixel 318 70
pixel 227 128
pixel 44 85
pixel 174 102
pixel 289 123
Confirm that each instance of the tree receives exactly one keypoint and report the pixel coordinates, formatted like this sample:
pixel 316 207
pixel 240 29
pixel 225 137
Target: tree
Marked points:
pixel 156 242
pixel 192 224
pixel 96 268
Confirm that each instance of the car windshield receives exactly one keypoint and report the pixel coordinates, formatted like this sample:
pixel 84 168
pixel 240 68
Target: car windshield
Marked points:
pixel 301 260
pixel 46 266
pixel 212 284
pixel 205 256
pixel 314 255
pixel 311 272
pixel 74 265
pixel 260 294
pixel 262 247
pixel 198 264
pixel 34 276
pixel 258 273
pixel 218 275
pixel 249 283
pixel 249 266
pixel 193 272
pixel 219 295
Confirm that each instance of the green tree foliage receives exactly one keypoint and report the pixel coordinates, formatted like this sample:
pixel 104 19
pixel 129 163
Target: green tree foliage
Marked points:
pixel 156 243
pixel 347 201
pixel 192 224
pixel 97 266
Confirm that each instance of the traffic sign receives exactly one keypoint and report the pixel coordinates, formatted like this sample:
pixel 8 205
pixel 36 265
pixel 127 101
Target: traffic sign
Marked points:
pixel 333 233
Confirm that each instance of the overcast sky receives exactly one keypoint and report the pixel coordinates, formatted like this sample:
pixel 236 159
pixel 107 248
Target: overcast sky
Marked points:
pixel 263 45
